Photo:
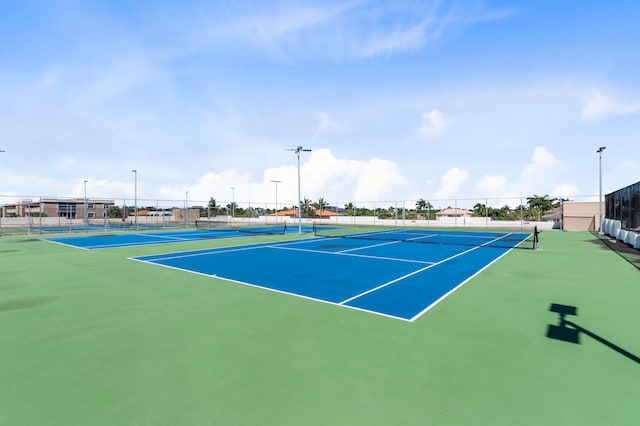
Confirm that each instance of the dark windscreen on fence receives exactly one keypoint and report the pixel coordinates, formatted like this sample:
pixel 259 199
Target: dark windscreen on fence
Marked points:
pixel 624 205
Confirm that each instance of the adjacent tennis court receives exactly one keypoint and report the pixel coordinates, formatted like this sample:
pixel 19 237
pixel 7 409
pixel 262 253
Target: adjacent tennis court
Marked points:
pixel 395 273
pixel 106 241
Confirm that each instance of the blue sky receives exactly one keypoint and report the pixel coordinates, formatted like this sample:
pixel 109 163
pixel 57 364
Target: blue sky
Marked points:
pixel 397 100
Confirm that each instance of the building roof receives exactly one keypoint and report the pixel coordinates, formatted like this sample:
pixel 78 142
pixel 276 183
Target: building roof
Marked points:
pixel 294 212
pixel 327 213
pixel 285 213
pixel 454 212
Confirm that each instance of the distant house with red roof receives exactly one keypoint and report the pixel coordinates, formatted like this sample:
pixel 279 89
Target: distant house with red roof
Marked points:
pixel 317 213
pixel 290 213
pixel 454 213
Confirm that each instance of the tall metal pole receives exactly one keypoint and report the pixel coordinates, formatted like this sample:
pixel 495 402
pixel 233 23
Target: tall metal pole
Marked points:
pixel 186 209
pixel 297 152
pixel 86 217
pixel 233 203
pixel 299 198
pixel 276 182
pixel 599 151
pixel 135 192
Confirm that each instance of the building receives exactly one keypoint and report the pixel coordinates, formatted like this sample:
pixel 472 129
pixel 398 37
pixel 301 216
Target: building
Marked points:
pixel 453 213
pixel 577 216
pixel 69 208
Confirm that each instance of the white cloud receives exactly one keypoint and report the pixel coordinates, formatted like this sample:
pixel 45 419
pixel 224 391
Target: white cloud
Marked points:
pixel 538 176
pixel 564 190
pixel 451 182
pixel 104 188
pixel 435 123
pixel 350 180
pixel 279 28
pixel 377 180
pixel 599 104
pixel 542 164
pixel 338 30
pixel 338 180
pixel 492 186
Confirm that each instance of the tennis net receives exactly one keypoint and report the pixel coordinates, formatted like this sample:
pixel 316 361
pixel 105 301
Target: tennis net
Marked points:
pixel 503 240
pixel 215 226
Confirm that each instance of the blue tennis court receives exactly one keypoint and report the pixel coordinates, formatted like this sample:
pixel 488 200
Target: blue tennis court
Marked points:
pixel 105 241
pixel 399 274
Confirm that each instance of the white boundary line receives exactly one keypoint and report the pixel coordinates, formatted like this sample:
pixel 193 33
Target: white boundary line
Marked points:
pixel 341 253
pixel 425 310
pixel 271 289
pixel 166 237
pixel 204 253
pixel 63 244
pixel 357 296
pixel 215 250
pixel 151 242
pixel 368 247
pixel 340 304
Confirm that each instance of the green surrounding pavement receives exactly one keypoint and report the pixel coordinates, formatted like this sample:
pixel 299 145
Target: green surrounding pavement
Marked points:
pixel 93 338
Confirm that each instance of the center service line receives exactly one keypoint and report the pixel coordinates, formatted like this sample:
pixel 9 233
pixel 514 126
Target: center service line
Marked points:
pixel 357 296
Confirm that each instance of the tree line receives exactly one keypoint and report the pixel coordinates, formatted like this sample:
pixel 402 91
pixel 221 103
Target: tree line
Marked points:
pixel 534 208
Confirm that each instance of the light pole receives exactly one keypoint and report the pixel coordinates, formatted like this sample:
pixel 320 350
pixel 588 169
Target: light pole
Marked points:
pixel 599 151
pixel 135 195
pixel 86 217
pixel 186 209
pixel 233 202
pixel 276 182
pixel 297 151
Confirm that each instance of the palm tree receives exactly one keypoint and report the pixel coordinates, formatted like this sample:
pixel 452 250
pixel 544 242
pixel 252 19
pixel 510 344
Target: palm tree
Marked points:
pixel 506 212
pixel 234 209
pixel 350 208
pixel 542 203
pixel 213 206
pixel 321 205
pixel 421 205
pixel 539 205
pixel 306 207
pixel 479 210
pixel 114 211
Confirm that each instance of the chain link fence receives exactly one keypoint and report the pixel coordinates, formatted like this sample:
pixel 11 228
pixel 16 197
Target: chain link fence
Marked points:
pixel 45 214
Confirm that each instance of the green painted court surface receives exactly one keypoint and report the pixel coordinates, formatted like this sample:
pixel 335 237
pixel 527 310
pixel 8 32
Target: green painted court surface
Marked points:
pixel 92 338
